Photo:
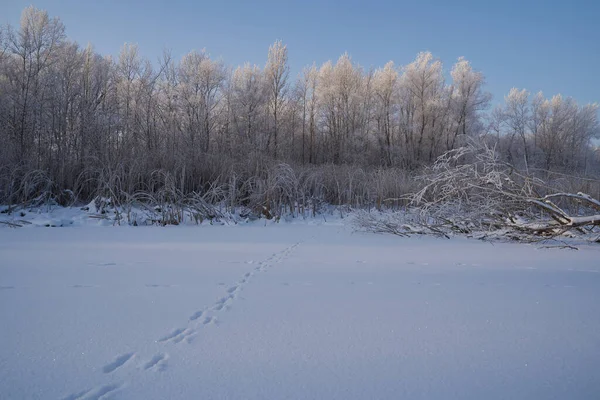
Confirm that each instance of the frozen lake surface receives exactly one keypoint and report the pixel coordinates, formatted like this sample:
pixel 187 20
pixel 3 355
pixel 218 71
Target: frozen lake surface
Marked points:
pixel 293 311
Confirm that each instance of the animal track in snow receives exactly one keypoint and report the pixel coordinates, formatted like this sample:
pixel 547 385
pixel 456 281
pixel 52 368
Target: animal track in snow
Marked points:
pixel 173 334
pixel 178 335
pixel 223 302
pixel 157 363
pixel 119 362
pixel 187 335
pixel 232 289
pixel 196 315
pixel 77 396
pixel 95 394
pixel 219 306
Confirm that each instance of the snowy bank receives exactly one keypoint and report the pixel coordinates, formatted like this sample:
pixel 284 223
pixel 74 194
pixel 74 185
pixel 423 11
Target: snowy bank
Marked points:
pixel 292 311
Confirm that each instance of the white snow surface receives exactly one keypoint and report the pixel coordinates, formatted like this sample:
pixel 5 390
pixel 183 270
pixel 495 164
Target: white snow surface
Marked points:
pixel 292 311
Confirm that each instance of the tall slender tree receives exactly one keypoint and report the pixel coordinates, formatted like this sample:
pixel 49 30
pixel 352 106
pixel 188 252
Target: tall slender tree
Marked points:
pixel 276 79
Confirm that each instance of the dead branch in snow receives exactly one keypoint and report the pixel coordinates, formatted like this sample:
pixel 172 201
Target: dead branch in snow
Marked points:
pixel 470 191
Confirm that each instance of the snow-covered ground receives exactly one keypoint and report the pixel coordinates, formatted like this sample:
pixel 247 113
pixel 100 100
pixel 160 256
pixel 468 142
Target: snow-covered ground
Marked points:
pixel 292 311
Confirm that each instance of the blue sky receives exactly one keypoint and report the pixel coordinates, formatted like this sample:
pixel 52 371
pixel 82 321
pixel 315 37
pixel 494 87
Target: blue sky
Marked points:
pixel 553 46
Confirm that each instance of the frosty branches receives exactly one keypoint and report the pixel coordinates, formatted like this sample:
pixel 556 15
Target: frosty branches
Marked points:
pixel 73 120
pixel 471 186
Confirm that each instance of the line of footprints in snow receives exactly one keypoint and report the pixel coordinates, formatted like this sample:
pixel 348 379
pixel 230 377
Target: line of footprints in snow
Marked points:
pixel 199 319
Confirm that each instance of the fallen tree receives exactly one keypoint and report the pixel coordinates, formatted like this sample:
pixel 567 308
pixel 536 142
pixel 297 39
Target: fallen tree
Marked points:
pixel 470 191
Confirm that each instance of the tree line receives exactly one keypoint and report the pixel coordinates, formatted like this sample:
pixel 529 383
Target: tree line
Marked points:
pixel 72 114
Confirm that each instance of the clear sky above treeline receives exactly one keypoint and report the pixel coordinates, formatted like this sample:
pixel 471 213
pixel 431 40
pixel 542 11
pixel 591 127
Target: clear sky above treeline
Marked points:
pixel 553 46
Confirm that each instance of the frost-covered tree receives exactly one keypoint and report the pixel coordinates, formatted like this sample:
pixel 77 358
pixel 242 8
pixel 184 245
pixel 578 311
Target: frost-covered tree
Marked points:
pixel 3 43
pixel 127 78
pixel 545 133
pixel 71 118
pixel 94 105
pixel 422 83
pixel 308 88
pixel 32 51
pixel 385 89
pixel 516 116
pixel 276 78
pixel 468 98
pixel 563 131
pixel 339 100
pixel 248 101
pixel 200 83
